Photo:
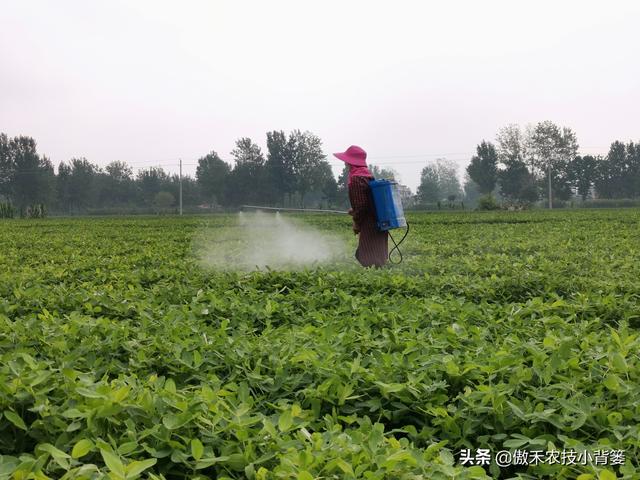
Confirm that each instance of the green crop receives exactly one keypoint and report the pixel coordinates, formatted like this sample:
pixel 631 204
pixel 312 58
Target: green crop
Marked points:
pixel 121 357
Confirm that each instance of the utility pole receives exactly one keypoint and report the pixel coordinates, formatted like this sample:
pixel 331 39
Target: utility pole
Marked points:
pixel 549 175
pixel 180 186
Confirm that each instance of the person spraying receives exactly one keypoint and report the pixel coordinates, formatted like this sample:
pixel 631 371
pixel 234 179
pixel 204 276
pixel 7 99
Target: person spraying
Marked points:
pixel 373 247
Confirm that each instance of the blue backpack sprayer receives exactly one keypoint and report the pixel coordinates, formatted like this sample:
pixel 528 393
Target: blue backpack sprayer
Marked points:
pixel 389 211
pixel 388 206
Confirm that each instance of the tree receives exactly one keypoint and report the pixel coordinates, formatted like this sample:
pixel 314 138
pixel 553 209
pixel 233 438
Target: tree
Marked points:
pixel 582 174
pixel 280 168
pixel 63 187
pixel 618 174
pixel 633 161
pixel 248 179
pixel 295 165
pixel 383 173
pixel 191 193
pixel 27 178
pixel 212 175
pixel 612 172
pixel 551 148
pixel 119 171
pixel 151 181
pixel 483 168
pixel 438 181
pixel 247 153
pixel 309 164
pixel 117 185
pixel 81 186
pixel 343 193
pixel 429 188
pixel 406 195
pixel 328 184
pixel 471 191
pixel 163 200
pixel 512 147
pixel 6 166
pixel 516 179
pixel 448 183
pixel 517 183
pixel 44 187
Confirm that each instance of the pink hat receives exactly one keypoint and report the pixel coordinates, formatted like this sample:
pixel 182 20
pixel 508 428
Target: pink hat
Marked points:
pixel 353 156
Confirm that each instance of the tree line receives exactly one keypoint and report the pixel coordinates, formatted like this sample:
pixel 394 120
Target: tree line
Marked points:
pixel 541 162
pixel 522 166
pixel 294 170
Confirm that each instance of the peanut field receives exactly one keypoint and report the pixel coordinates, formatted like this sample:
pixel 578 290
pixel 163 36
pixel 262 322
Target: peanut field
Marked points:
pixel 122 356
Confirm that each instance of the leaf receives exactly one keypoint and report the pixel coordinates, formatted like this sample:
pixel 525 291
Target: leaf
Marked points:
pixel 127 448
pixel 446 457
pixel 55 452
pixel 399 456
pixel 59 456
pixel 344 466
pixel 606 475
pixel 113 463
pixel 85 392
pixel 304 356
pixel 8 464
pixel 579 421
pixel 304 475
pixel 236 461
pixel 81 448
pixel 285 422
pixel 207 462
pixel 612 382
pixel 120 394
pixel 517 410
pixel 173 422
pixel 197 449
pixel 452 368
pixel 170 386
pixel 73 413
pixel 136 467
pixel 514 443
pixel 197 359
pixel 16 419
pixel 614 418
pixel 388 388
pixel 619 363
pixel 476 472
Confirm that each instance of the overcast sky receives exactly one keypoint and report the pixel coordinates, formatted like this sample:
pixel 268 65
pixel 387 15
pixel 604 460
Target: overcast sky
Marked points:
pixel 149 82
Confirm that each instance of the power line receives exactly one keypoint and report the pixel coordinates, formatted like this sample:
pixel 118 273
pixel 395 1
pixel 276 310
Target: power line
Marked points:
pixel 151 163
pixel 373 158
pixel 425 157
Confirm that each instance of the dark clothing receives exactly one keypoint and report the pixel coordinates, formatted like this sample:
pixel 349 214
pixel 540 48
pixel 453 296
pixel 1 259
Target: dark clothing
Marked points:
pixel 372 244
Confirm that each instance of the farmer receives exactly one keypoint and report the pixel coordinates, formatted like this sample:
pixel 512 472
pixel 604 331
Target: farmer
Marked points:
pixel 372 245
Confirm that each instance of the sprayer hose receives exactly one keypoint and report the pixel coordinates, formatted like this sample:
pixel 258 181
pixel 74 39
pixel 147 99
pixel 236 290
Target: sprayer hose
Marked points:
pixel 396 246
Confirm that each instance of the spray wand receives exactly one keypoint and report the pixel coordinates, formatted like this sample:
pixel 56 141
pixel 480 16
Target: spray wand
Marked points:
pixel 278 209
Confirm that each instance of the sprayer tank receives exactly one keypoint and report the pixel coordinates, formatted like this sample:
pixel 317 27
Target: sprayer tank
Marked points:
pixel 386 198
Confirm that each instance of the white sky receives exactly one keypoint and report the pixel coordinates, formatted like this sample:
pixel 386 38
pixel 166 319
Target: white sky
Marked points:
pixel 148 82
